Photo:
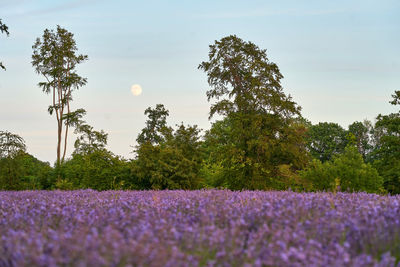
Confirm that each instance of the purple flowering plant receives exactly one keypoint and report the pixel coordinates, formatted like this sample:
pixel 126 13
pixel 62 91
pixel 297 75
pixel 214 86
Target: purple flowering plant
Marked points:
pixel 198 228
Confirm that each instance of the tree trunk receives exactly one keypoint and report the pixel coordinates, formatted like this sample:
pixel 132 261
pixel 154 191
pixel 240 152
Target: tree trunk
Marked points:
pixel 66 135
pixel 59 137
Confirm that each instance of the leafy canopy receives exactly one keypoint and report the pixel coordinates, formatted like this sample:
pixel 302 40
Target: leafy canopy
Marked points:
pixel 167 158
pixel 10 144
pixel 387 149
pixel 326 139
pixel 242 79
pixel 89 140
pixel 260 126
pixel 347 170
pixel 156 125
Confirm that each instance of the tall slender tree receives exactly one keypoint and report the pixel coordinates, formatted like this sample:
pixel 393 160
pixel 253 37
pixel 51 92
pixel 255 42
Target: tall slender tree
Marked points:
pixel 3 29
pixel 55 57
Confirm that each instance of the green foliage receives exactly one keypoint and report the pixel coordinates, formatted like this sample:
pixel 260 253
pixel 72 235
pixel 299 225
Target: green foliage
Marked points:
pixel 348 170
pixel 64 184
pixel 156 126
pixel 167 158
pixel 212 175
pixel 91 165
pixel 325 140
pixel 260 131
pixel 10 144
pixel 23 171
pixel 320 175
pixel 362 134
pixel 263 156
pixel 354 174
pixel 36 174
pixel 10 174
pixel 174 164
pixel 242 80
pixel 387 150
pixel 99 170
pixel 89 140
pixel 54 57
pixel 289 179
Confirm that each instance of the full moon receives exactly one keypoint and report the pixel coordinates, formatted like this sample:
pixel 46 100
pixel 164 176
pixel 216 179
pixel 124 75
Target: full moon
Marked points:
pixel 136 89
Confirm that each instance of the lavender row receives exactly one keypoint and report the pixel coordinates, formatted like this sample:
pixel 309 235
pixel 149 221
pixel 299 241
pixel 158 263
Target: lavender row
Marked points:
pixel 198 228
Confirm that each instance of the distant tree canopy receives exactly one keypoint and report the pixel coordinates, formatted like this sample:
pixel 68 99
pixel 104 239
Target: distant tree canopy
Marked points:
pixel 261 132
pixel 54 57
pixel 92 165
pixel 97 169
pixel 156 126
pixel 89 140
pixel 324 140
pixel 362 132
pixel 167 158
pixel 346 172
pixel 10 144
pixel 3 29
pixel 18 169
pixel 387 148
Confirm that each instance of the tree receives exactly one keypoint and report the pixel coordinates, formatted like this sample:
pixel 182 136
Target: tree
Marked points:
pixel 92 165
pixel 387 148
pixel 156 125
pixel 346 171
pixel 3 29
pixel 99 169
pixel 28 173
pixel 18 169
pixel 89 139
pixel 54 57
pixel 362 134
pixel 167 159
pixel 11 145
pixel 174 164
pixel 263 134
pixel 186 144
pixel 326 139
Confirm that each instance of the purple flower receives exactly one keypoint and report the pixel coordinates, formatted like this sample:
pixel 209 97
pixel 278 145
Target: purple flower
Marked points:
pixel 198 228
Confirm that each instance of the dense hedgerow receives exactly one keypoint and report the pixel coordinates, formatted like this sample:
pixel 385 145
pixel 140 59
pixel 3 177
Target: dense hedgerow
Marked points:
pixel 198 228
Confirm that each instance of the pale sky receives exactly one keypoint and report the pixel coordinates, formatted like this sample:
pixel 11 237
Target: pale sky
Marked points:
pixel 340 60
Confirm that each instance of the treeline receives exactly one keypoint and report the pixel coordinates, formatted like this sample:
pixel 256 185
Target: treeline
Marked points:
pixel 261 141
pixel 364 157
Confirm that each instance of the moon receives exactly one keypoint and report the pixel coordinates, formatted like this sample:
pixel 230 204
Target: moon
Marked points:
pixel 136 89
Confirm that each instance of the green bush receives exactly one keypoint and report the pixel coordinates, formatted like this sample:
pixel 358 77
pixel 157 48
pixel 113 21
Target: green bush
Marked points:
pixel 348 170
pixel 99 170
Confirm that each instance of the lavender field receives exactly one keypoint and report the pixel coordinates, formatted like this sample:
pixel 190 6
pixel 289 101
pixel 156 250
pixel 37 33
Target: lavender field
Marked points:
pixel 198 228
